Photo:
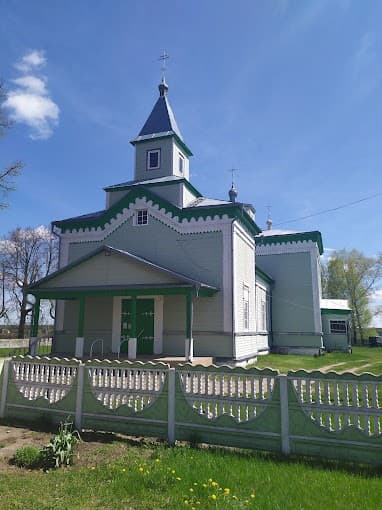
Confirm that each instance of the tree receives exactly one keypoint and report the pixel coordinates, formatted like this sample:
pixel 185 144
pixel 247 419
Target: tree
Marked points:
pixel 353 276
pixel 27 256
pixel 11 171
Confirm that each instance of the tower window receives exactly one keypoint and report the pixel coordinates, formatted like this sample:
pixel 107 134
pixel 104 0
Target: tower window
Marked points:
pixel 181 163
pixel 153 159
pixel 141 217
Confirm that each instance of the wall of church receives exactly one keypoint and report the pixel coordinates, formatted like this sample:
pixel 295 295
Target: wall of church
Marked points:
pixel 244 295
pixel 198 256
pixel 294 299
pixel 112 197
pixel 172 193
pixel 209 338
pixel 98 323
pixel 166 159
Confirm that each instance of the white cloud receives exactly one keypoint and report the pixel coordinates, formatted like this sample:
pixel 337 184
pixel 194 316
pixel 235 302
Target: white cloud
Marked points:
pixel 32 84
pixel 29 102
pixel 31 61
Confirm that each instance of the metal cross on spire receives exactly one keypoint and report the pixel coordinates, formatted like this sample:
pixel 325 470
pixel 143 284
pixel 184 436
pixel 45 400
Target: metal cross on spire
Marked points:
pixel 269 218
pixel 163 58
pixel 234 172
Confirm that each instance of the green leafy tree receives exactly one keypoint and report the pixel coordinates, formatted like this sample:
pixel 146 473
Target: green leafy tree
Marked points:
pixel 353 276
pixel 8 174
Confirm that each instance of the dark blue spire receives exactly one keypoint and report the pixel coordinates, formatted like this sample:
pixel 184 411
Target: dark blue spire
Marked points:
pixel 161 119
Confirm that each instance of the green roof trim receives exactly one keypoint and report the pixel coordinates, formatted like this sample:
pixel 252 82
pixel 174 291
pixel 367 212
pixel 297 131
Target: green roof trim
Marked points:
pixel 234 211
pixel 335 311
pixel 263 275
pixel 178 140
pixel 296 237
pixel 123 187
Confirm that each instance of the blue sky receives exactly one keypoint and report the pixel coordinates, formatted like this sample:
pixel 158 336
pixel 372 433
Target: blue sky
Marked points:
pixel 286 91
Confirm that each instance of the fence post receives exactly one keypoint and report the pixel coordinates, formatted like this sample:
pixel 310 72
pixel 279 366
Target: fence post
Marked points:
pixel 4 388
pixel 171 407
pixel 284 408
pixel 80 396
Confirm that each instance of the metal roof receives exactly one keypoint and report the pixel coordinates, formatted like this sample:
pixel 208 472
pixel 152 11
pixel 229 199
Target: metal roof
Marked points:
pixel 161 120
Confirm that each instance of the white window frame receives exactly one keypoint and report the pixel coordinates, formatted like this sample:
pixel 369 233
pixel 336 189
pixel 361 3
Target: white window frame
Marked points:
pixel 338 321
pixel 149 152
pixel 181 162
pixel 246 301
pixel 141 217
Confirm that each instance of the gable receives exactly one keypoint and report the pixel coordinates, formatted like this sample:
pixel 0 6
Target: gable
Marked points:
pixel 109 268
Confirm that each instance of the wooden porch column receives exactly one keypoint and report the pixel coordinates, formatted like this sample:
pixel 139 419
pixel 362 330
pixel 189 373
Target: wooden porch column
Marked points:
pixel 189 343
pixel 132 344
pixel 33 341
pixel 79 350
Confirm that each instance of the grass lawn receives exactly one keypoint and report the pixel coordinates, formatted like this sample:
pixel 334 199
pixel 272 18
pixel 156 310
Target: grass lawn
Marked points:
pixel 124 473
pixel 6 352
pixel 363 359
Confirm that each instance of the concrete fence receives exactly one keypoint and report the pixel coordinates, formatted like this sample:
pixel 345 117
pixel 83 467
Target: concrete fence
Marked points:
pixel 309 413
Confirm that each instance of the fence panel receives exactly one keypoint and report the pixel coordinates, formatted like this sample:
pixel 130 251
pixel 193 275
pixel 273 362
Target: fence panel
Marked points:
pixel 336 415
pixel 310 413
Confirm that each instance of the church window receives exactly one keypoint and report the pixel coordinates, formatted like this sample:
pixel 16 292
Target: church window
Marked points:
pixel 245 307
pixel 338 327
pixel 153 159
pixel 181 163
pixel 141 217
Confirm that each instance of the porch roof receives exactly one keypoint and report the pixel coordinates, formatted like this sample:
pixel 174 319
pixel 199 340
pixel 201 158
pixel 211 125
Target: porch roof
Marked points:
pixel 124 274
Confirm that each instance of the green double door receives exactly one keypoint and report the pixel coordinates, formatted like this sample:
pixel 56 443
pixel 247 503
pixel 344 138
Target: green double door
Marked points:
pixel 144 325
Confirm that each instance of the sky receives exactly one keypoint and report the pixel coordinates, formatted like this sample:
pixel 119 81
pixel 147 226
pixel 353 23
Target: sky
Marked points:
pixel 285 91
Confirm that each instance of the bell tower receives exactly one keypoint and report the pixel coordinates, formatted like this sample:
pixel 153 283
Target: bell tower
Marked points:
pixel 159 148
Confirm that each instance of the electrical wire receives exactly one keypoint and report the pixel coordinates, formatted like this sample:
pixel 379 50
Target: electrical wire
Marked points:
pixel 348 204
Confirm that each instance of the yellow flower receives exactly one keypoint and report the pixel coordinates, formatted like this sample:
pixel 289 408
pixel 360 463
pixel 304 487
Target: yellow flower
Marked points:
pixel 157 460
pixel 191 489
pixel 253 496
pixel 234 497
pixel 205 485
pixel 178 478
pixel 226 490
pixel 141 469
pixel 195 483
pixel 213 496
pixel 173 471
pixel 123 470
pixel 186 501
pixel 214 484
pixel 93 467
pixel 210 480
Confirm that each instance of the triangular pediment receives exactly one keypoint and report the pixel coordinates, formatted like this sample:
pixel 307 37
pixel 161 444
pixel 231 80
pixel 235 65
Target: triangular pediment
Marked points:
pixel 108 267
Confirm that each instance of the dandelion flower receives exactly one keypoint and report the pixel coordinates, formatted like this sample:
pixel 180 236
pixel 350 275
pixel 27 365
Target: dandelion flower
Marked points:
pixel 178 478
pixel 157 460
pixel 213 496
pixel 191 489
pixel 226 490
pixel 186 501
pixel 141 469
pixel 253 496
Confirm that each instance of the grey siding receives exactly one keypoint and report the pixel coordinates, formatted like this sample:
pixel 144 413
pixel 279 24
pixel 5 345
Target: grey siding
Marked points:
pixel 98 324
pixel 166 165
pixel 334 341
pixel 198 256
pixel 292 299
pixel 113 269
pixel 209 339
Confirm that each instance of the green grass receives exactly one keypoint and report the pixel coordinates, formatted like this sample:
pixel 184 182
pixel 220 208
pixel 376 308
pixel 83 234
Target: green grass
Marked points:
pixel 355 362
pixel 155 477
pixel 9 351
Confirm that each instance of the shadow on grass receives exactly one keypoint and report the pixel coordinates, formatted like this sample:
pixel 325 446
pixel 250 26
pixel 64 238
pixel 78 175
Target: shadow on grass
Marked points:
pixel 317 463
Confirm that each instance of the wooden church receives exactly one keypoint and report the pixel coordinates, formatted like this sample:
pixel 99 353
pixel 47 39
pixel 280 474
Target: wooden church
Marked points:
pixel 163 270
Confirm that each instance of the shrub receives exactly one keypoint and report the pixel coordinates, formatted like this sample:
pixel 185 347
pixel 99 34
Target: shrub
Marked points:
pixel 59 451
pixel 29 457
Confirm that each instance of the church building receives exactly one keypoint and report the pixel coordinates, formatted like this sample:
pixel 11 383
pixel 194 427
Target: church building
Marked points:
pixel 163 270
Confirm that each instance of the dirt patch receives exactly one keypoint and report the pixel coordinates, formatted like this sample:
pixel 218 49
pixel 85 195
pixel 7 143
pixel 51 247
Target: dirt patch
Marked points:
pixel 94 448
